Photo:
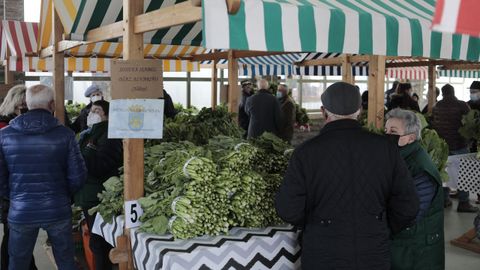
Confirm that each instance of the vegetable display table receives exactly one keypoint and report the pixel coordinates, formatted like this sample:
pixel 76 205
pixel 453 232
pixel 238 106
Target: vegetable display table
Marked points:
pixel 464 172
pixel 243 248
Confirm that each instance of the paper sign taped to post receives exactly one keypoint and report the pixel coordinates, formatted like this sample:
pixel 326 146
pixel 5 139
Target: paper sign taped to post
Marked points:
pixel 136 119
pixel 133 212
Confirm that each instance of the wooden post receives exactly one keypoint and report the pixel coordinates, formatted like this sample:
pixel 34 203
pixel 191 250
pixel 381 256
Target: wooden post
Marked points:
pixel 189 90
pixel 432 81
pixel 232 83
pixel 133 149
pixel 376 85
pixel 58 68
pixel 347 69
pixel 214 84
pixel 9 77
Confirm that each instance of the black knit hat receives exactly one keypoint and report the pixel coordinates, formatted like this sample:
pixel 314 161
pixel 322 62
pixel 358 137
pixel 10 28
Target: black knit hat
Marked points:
pixel 475 85
pixel 341 98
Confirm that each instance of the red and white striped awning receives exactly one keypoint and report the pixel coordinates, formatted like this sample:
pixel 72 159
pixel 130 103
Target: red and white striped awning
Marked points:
pixel 457 16
pixel 410 73
pixel 21 37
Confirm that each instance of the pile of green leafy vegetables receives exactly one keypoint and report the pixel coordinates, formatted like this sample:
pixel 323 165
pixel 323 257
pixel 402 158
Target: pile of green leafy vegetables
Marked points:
pixel 195 190
pixel 73 110
pixel 470 129
pixel 199 127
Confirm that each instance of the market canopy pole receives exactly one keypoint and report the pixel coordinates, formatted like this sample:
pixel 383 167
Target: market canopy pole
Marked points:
pixel 9 76
pixel 432 78
pixel 232 82
pixel 347 69
pixel 133 149
pixel 376 84
pixel 214 84
pixel 59 68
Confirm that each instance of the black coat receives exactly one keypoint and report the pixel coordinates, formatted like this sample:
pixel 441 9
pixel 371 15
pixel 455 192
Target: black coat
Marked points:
pixel 169 110
pixel 243 118
pixel 80 124
pixel 348 189
pixel 404 101
pixel 447 120
pixel 265 114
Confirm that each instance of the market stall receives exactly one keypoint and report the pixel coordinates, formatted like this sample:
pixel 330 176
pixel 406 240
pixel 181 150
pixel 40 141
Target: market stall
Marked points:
pixel 377 30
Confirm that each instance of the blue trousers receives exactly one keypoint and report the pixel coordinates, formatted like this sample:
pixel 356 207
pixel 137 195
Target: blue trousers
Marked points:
pixel 24 236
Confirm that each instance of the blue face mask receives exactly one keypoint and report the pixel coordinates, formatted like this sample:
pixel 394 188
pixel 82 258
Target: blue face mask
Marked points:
pixel 475 96
pixel 279 94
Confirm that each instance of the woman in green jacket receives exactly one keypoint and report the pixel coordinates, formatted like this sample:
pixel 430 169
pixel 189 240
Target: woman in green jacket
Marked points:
pixel 420 246
pixel 103 157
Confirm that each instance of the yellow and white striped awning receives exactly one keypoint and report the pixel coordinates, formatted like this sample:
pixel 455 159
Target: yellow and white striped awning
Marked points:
pixel 115 49
pixel 93 65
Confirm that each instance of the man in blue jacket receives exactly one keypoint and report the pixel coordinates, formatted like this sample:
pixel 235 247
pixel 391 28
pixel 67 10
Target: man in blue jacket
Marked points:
pixel 40 169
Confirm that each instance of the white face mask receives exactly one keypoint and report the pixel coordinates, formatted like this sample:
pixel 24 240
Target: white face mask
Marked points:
pixel 95 98
pixel 93 118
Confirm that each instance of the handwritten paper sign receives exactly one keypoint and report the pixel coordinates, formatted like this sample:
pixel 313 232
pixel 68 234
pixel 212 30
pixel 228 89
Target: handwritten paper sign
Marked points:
pixel 136 79
pixel 136 119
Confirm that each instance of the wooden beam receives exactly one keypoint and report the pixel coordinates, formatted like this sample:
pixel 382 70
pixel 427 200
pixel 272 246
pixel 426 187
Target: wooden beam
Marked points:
pixel 236 54
pixel 58 68
pixel 425 63
pixel 376 85
pixel 432 97
pixel 133 149
pixel 9 75
pixel 467 241
pixel 232 83
pixel 114 30
pixel 178 14
pixel 62 46
pixel 473 66
pixel 347 69
pixel 214 84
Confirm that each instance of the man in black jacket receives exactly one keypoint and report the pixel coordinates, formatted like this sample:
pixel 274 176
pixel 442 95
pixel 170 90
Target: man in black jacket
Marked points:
pixel 264 112
pixel 447 120
pixel 243 118
pixel 348 189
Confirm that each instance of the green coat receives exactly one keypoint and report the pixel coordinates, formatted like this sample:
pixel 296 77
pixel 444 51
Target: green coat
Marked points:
pixel 422 245
pixel 103 157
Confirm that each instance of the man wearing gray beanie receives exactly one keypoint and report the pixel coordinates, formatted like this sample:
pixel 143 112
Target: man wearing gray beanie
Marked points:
pixel 348 189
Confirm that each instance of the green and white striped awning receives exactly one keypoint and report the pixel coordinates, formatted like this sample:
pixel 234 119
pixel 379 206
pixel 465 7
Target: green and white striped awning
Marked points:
pixel 392 28
pixel 475 74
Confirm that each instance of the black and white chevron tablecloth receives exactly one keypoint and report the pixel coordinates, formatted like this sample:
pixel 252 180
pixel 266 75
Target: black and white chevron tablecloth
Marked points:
pixel 109 230
pixel 242 248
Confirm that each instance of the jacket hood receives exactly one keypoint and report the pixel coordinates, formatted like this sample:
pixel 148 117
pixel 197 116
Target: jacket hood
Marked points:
pixel 35 122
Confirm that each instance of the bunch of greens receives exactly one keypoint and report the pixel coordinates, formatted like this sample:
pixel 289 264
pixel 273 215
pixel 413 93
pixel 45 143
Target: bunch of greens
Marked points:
pixel 437 148
pixel 111 199
pixel 301 116
pixel 73 110
pixel 199 128
pixel 471 128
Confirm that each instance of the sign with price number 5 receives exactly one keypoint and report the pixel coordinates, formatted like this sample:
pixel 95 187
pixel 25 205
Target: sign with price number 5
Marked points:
pixel 133 212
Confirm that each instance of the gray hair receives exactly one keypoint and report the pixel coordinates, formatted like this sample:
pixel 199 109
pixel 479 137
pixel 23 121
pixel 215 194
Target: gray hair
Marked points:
pixel 14 98
pixel 39 97
pixel 283 86
pixel 263 84
pixel 334 117
pixel 412 122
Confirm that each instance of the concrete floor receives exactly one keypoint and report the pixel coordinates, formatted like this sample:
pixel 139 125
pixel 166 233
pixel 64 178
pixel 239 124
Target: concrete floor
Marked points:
pixel 455 225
